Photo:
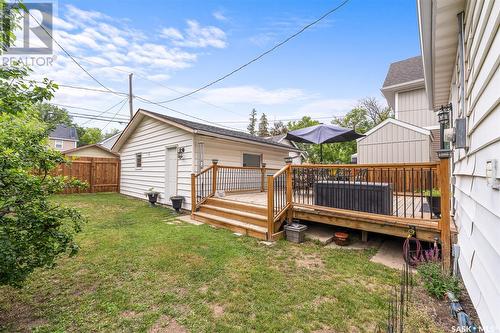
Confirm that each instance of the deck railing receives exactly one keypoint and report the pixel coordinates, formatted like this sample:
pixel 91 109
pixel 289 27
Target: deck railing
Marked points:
pixel 279 198
pixel 202 186
pixel 404 190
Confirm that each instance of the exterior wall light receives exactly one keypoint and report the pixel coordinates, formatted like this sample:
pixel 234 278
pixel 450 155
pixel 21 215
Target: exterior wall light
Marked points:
pixel 444 120
pixel 180 153
pixel 215 161
pixel 288 160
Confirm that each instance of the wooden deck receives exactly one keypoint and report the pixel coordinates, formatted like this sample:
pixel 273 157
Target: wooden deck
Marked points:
pixel 413 204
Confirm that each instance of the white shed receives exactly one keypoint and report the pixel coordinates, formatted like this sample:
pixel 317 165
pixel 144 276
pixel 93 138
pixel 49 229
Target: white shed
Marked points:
pixel 161 152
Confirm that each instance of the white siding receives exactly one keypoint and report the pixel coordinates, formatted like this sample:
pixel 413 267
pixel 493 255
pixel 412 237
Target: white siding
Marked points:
pixel 392 143
pixel 230 153
pixel 151 138
pixel 477 206
pixel 412 107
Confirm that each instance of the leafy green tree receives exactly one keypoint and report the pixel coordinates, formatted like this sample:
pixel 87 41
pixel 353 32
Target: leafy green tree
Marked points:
pixel 375 112
pixel 89 136
pixel 53 115
pixel 33 230
pixel 253 122
pixel 263 126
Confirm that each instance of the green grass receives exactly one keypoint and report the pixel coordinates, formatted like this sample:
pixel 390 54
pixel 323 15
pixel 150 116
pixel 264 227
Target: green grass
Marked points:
pixel 138 265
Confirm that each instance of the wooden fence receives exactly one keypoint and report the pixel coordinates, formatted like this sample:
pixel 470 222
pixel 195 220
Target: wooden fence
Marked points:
pixel 101 174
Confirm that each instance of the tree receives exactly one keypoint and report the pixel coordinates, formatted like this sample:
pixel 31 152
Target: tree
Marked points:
pixel 109 134
pixel 34 231
pixel 53 115
pixel 278 128
pixel 89 135
pixel 253 122
pixel 263 126
pixel 374 111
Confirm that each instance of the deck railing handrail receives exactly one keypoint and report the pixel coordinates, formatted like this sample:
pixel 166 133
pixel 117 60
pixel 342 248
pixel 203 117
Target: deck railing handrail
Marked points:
pixel 201 186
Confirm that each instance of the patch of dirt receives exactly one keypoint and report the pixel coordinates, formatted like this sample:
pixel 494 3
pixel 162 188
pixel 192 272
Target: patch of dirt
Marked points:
pixel 129 314
pixel 21 317
pixel 203 289
pixel 322 299
pixel 468 307
pixel 436 309
pixel 165 324
pixel 218 310
pixel 310 261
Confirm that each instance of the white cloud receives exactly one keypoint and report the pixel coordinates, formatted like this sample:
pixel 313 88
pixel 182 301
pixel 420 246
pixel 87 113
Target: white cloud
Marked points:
pixel 158 77
pixel 218 15
pixel 196 36
pixel 252 95
pixel 59 23
pixel 171 33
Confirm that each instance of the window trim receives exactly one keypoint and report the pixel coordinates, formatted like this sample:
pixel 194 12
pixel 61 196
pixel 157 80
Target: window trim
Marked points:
pixel 57 142
pixel 138 160
pixel 249 153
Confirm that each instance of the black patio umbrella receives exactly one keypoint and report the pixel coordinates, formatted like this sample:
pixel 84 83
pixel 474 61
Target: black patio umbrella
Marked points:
pixel 322 133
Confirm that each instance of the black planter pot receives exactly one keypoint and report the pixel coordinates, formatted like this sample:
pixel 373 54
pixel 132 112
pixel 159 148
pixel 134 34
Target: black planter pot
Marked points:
pixel 153 198
pixel 177 202
pixel 434 205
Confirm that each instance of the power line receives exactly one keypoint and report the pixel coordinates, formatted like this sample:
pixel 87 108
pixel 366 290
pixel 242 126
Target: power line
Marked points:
pixel 114 116
pixel 108 109
pixel 69 55
pixel 89 89
pixel 120 121
pixel 260 55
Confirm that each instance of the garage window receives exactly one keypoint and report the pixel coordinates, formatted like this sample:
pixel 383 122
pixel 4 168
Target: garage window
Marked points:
pixel 138 160
pixel 251 160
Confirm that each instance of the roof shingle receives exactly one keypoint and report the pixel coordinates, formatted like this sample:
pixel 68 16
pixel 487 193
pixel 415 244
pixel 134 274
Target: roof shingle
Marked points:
pixel 404 71
pixel 64 132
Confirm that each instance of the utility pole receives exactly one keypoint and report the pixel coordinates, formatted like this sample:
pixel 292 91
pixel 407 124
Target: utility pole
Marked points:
pixel 130 96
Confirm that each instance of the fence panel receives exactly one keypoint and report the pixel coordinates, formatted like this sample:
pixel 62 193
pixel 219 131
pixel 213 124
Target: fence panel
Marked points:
pixel 101 174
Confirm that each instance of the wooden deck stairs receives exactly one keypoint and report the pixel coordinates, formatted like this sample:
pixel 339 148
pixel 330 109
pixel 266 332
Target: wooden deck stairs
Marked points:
pixel 244 218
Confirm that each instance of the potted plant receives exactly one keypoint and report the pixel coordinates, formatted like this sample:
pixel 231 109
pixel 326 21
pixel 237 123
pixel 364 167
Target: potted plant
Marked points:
pixel 434 200
pixel 177 202
pixel 152 196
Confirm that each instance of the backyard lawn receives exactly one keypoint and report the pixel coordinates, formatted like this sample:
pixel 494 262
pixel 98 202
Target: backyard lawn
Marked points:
pixel 139 269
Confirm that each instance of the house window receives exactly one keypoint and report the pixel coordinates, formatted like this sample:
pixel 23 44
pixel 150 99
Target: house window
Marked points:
pixel 58 144
pixel 251 160
pixel 138 160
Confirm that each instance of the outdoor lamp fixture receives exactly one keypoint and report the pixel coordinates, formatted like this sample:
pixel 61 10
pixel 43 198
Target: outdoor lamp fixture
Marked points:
pixel 180 153
pixel 288 160
pixel 444 120
pixel 215 161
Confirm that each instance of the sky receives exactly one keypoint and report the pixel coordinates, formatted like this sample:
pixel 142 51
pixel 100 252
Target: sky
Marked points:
pixel 173 47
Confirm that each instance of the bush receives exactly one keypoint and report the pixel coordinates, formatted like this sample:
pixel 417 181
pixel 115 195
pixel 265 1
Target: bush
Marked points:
pixel 436 282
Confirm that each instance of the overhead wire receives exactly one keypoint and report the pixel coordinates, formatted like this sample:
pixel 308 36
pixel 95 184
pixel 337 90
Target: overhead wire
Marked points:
pixel 257 58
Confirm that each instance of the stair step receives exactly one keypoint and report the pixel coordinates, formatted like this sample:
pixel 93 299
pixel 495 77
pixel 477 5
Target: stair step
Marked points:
pixel 237 205
pixel 237 226
pixel 235 214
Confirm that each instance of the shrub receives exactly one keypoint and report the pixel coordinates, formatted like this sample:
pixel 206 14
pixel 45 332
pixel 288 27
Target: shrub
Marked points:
pixel 436 282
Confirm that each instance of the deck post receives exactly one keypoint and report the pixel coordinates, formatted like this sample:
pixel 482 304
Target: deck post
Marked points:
pixel 193 194
pixel 270 207
pixel 214 176
pixel 444 222
pixel 289 213
pixel 263 177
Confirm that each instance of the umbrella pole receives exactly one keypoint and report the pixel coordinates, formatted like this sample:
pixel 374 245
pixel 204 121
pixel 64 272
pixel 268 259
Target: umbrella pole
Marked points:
pixel 321 153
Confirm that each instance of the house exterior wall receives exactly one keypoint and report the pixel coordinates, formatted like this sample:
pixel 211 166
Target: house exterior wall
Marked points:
pixel 394 144
pixel 151 137
pixel 91 152
pixel 477 209
pixel 67 144
pixel 230 152
pixel 412 107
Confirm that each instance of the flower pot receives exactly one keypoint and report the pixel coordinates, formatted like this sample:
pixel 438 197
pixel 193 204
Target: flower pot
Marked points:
pixel 434 205
pixel 341 238
pixel 177 202
pixel 153 197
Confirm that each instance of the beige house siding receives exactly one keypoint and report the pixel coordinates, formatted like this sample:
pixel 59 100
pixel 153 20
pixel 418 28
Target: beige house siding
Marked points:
pixel 392 143
pixel 230 152
pixel 91 152
pixel 477 206
pixel 412 107
pixel 151 137
pixel 67 144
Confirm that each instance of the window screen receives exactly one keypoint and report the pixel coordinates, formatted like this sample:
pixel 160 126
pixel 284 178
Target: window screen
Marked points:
pixel 251 160
pixel 138 160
